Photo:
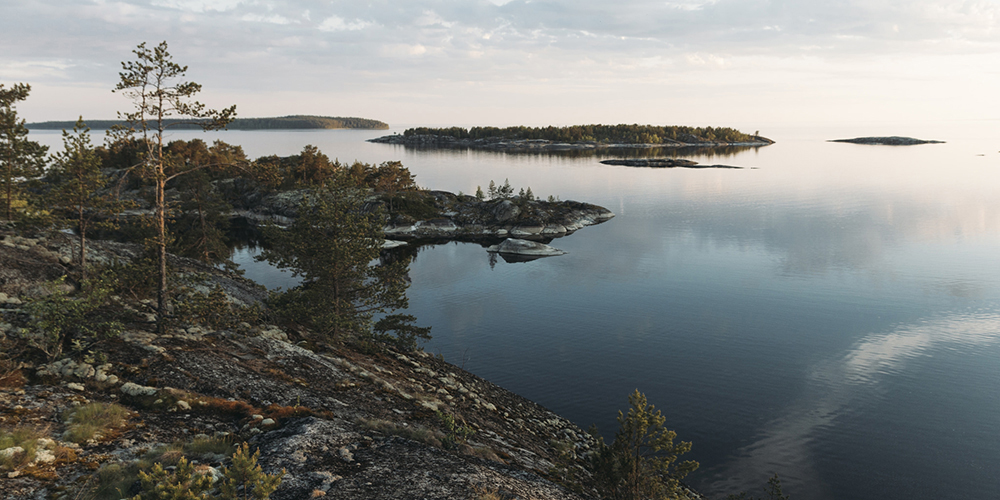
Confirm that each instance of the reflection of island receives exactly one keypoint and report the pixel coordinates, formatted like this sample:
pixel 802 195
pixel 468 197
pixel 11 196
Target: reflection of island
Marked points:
pixel 663 163
pixel 574 138
pixel 887 141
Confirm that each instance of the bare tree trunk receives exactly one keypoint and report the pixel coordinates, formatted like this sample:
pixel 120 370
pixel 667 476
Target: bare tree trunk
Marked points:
pixel 83 245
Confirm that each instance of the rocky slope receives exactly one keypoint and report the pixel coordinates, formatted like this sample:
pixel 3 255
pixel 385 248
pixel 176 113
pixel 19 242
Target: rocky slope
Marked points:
pixel 342 424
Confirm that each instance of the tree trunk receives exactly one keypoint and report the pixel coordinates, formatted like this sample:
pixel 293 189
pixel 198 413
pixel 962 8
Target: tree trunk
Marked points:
pixel 83 245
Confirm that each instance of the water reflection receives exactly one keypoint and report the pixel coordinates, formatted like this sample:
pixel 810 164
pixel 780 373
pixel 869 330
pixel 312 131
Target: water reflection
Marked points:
pixel 867 370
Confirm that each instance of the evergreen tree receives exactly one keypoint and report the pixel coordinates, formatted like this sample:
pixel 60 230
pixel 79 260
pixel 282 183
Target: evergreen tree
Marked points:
pixel 640 463
pixel 20 157
pixel 244 478
pixel 479 193
pixel 332 245
pixel 151 82
pixel 76 174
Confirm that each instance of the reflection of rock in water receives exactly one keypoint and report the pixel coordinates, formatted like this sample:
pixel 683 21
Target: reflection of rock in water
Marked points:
pixel 513 257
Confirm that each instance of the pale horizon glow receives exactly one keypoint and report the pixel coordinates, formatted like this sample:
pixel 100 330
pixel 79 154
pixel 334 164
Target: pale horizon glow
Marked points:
pixel 505 62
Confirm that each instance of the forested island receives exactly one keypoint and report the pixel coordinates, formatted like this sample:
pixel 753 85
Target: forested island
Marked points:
pixel 293 122
pixel 576 137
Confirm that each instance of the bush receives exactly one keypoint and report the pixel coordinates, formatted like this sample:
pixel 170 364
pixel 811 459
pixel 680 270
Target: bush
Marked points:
pixel 640 463
pixel 55 320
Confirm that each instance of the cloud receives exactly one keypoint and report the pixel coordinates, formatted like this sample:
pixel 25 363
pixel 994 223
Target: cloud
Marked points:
pixel 334 23
pixel 491 43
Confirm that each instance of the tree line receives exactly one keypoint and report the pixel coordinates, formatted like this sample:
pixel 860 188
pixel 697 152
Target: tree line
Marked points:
pixel 625 134
pixel 293 122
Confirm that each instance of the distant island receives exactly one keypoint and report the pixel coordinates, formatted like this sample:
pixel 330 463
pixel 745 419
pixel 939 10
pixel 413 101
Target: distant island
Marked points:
pixel 887 141
pixel 294 122
pixel 576 137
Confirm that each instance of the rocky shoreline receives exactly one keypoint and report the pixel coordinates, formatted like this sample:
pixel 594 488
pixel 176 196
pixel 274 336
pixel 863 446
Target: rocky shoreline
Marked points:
pixel 446 216
pixel 342 424
pixel 529 145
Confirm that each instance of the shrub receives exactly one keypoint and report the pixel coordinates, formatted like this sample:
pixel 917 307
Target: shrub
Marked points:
pixel 181 484
pixel 640 463
pixel 56 319
pixel 455 433
pixel 244 478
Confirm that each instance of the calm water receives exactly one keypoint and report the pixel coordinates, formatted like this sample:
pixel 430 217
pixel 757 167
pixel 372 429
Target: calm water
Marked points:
pixel 832 316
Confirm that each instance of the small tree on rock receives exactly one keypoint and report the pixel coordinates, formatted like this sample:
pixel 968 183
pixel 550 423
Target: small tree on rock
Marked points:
pixel 76 172
pixel 244 479
pixel 640 463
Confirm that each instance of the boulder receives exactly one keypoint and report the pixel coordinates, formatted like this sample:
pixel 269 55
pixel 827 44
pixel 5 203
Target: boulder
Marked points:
pixel 524 247
pixel 505 211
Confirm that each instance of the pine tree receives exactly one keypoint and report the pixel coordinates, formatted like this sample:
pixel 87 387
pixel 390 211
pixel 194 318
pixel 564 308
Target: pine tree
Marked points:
pixel 640 463
pixel 151 82
pixel 331 244
pixel 479 193
pixel 76 173
pixel 20 157
pixel 244 479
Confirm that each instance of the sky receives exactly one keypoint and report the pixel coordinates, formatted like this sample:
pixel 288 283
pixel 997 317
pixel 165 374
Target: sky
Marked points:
pixel 743 63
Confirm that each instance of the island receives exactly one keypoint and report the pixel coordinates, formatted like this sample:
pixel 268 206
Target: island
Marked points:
pixel 574 138
pixel 887 141
pixel 293 122
pixel 663 163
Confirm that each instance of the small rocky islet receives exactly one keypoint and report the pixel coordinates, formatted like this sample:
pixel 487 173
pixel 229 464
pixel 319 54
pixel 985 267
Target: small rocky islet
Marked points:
pixel 887 141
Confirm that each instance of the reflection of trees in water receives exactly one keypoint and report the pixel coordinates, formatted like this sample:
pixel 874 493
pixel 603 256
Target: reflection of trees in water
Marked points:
pixel 598 153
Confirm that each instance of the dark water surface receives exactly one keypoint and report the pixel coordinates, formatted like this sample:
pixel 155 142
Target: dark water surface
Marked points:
pixel 832 315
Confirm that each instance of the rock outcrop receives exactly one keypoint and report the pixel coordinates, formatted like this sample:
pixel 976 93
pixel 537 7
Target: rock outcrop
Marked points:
pixel 467 218
pixel 524 247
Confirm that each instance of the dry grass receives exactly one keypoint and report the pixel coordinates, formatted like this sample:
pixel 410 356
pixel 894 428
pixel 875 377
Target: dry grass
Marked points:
pixel 92 419
pixel 24 437
pixel 416 433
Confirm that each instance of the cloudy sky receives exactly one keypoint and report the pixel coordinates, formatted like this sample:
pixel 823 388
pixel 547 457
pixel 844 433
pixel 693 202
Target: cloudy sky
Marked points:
pixel 502 62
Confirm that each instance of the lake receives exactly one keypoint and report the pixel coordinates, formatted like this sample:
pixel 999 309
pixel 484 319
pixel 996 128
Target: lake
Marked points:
pixel 831 315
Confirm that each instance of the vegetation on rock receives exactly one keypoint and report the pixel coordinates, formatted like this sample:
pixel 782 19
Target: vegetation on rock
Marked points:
pixel 627 134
